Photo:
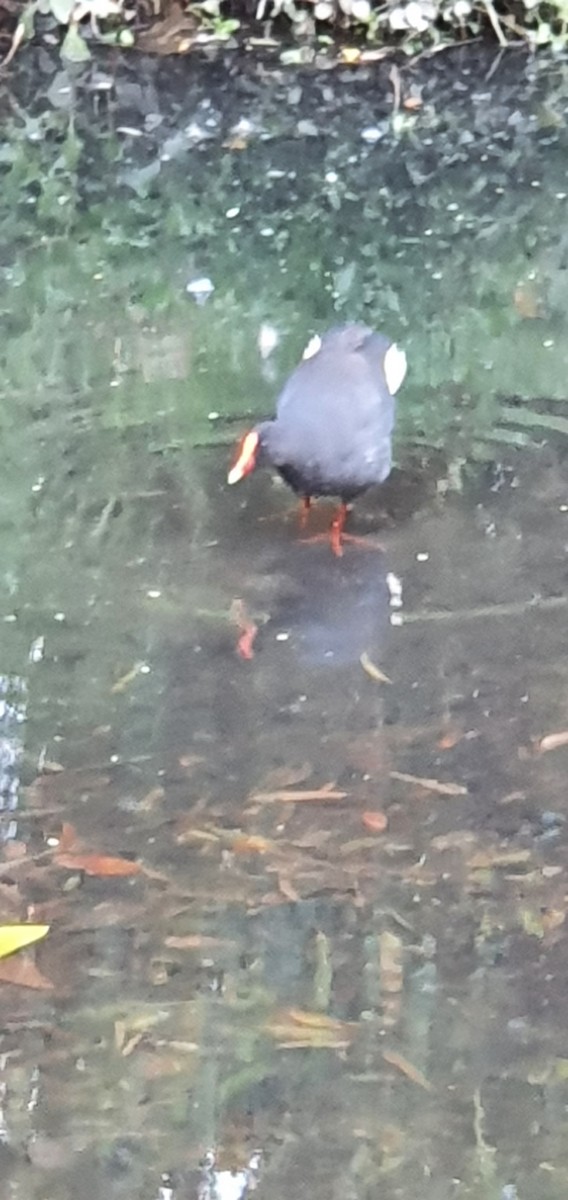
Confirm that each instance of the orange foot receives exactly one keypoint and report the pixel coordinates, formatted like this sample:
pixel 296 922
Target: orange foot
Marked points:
pixel 337 537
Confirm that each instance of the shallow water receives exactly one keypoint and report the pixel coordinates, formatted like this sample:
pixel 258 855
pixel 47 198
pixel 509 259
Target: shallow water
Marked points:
pixel 381 1012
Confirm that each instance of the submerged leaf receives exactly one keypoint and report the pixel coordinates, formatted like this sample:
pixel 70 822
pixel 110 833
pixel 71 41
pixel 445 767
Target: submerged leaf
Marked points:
pixel 98 864
pixel 553 741
pixel 372 670
pixel 325 793
pixel 374 821
pixel 431 785
pixel 74 47
pixel 407 1068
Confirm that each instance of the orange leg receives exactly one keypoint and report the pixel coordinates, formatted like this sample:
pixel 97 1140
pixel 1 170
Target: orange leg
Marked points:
pixel 304 511
pixel 336 535
pixel 336 530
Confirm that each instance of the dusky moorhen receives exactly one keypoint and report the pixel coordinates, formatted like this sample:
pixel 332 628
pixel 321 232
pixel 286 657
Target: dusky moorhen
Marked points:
pixel 334 419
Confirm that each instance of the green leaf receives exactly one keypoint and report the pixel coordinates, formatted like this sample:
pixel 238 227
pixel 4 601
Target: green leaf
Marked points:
pixel 74 47
pixel 61 10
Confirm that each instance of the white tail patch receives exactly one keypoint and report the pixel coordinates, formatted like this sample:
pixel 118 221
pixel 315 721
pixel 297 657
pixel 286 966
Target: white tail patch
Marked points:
pixel 394 368
pixel 313 347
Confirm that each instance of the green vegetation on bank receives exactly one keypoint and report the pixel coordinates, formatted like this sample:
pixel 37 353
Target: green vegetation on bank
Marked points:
pixel 292 31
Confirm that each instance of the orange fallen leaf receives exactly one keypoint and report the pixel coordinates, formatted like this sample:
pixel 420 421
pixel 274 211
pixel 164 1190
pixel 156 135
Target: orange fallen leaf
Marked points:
pixel 402 1064
pixel 553 741
pixel 375 822
pixel 252 844
pixel 98 864
pixel 450 739
pixel 194 941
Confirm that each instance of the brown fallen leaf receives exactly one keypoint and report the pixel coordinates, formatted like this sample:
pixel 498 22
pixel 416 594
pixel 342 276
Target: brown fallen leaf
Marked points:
pixel 190 761
pixel 174 34
pixel 526 301
pixel 375 822
pixel 455 839
pixel 97 864
pixel 235 143
pixel 153 797
pixel 372 670
pixel 194 941
pixel 391 962
pixel 325 793
pixel 497 856
pixel 13 850
pixel 431 785
pixel 296 1030
pixel 22 972
pixel 68 839
pixel 355 846
pixel 286 888
pixel 122 683
pixel 553 741
pixel 394 1059
pixel 131 1044
pixel 285 777
pixel 252 844
pixel 316 1020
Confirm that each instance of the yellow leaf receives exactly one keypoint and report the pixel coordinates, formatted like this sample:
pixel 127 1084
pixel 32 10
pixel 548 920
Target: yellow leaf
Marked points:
pixel 350 55
pixel 371 669
pixel 14 937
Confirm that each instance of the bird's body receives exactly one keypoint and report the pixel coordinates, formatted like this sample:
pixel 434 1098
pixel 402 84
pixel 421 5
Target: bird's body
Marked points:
pixel 331 435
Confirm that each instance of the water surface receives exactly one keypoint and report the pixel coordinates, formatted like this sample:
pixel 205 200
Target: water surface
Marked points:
pixel 383 1013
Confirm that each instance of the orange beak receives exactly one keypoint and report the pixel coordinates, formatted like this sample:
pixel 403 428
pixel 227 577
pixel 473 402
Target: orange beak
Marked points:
pixel 247 454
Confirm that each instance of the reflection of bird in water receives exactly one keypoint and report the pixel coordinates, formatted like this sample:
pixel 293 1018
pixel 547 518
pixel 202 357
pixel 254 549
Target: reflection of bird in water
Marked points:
pixel 334 419
pixel 332 611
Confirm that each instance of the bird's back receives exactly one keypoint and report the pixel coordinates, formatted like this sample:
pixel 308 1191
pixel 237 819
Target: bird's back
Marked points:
pixel 335 415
